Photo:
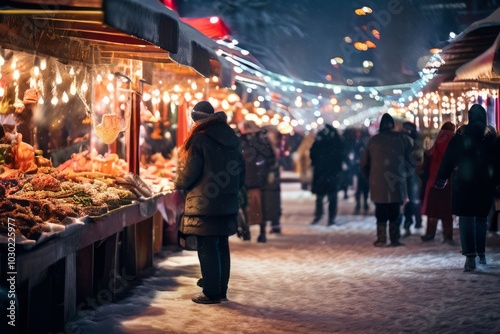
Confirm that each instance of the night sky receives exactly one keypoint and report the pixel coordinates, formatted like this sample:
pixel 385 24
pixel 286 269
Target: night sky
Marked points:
pixel 298 38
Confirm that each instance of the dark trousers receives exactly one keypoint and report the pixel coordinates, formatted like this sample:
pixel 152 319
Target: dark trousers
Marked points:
pixel 215 264
pixel 473 235
pixel 411 209
pixel 332 205
pixel 389 212
pixel 362 188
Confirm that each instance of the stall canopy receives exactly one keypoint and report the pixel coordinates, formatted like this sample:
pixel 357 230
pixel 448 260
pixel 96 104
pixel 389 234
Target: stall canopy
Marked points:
pixel 485 67
pixel 213 27
pixel 133 29
pixel 470 44
pixel 146 19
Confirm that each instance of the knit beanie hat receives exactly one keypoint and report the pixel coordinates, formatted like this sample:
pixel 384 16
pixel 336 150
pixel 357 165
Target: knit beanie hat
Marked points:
pixel 202 110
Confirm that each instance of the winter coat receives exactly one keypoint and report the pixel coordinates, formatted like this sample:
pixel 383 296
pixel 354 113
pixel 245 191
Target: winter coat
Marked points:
pixel 304 159
pixel 259 156
pixel 327 154
pixel 469 159
pixel 386 163
pixel 212 171
pixel 437 202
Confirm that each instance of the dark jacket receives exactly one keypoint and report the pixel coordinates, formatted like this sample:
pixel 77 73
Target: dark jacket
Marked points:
pixel 259 158
pixel 211 170
pixel 469 159
pixel 387 163
pixel 327 154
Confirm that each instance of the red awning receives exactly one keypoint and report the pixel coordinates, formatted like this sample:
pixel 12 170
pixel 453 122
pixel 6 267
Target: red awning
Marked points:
pixel 212 27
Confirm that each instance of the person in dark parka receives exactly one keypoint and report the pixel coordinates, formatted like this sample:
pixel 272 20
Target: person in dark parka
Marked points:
pixel 259 158
pixel 211 171
pixel 386 163
pixel 327 154
pixel 469 159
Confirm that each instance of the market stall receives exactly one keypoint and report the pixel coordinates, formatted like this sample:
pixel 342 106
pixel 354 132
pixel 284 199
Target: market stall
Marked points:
pixel 78 220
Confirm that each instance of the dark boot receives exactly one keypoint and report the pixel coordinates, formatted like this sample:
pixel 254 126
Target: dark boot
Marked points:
pixel 381 235
pixel 447 231
pixel 431 230
pixel 262 235
pixel 406 226
pixel 470 263
pixel 394 233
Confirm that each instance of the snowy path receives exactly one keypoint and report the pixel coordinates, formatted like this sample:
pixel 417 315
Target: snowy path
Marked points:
pixel 316 280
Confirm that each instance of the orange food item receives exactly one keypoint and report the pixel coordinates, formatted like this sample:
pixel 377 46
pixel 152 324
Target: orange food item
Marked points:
pixel 109 128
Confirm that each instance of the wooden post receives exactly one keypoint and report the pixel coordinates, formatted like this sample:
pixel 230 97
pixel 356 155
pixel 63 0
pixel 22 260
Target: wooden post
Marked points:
pixel 133 134
pixel 144 244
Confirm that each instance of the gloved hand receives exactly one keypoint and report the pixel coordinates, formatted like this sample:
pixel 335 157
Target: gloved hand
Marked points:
pixel 440 183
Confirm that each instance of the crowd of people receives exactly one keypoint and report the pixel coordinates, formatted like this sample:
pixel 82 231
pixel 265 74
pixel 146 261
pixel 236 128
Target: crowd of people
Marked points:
pixel 457 176
pixel 232 181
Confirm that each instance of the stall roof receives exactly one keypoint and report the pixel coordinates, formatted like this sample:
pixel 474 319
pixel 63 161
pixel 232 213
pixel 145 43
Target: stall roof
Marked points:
pixel 115 28
pixel 482 67
pixel 469 44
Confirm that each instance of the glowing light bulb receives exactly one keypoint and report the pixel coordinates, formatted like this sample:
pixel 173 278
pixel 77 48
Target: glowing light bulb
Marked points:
pixel 16 75
pixel 36 71
pixel 72 89
pixel 110 87
pixel 65 97
pixel 121 98
pixel 106 100
pixel 2 91
pixel 40 100
pixel 98 78
pixel 58 79
pixel 43 64
pixel 2 61
pixel 84 87
pixel 54 100
pixel 72 71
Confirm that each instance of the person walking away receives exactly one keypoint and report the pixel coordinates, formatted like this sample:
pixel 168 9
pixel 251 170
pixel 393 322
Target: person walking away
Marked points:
pixel 211 170
pixel 327 154
pixel 362 186
pixel 386 163
pixel 437 202
pixel 412 207
pixel 304 161
pixel 259 156
pixel 470 160
pixel 271 191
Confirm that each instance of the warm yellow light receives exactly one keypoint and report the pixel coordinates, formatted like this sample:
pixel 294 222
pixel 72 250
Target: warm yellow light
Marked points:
pixel 370 45
pixel 360 46
pixel 360 12
pixel 376 33
pixel 435 50
pixel 348 39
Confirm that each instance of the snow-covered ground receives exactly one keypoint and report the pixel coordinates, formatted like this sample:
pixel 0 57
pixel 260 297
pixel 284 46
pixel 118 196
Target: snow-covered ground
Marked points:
pixel 316 280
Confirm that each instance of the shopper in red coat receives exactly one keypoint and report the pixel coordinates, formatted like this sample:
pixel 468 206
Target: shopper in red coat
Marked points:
pixel 437 202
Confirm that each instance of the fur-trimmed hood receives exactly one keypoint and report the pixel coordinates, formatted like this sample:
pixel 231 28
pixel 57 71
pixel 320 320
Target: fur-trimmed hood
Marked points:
pixel 215 127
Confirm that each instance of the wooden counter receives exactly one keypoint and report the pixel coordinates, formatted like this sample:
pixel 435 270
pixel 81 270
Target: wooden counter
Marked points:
pixel 85 269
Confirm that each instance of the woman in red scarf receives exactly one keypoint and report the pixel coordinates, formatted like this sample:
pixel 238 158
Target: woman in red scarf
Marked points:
pixel 437 202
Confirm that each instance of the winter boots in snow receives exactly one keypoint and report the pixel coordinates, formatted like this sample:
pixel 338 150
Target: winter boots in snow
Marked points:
pixel 394 233
pixel 431 230
pixel 381 235
pixel 470 263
